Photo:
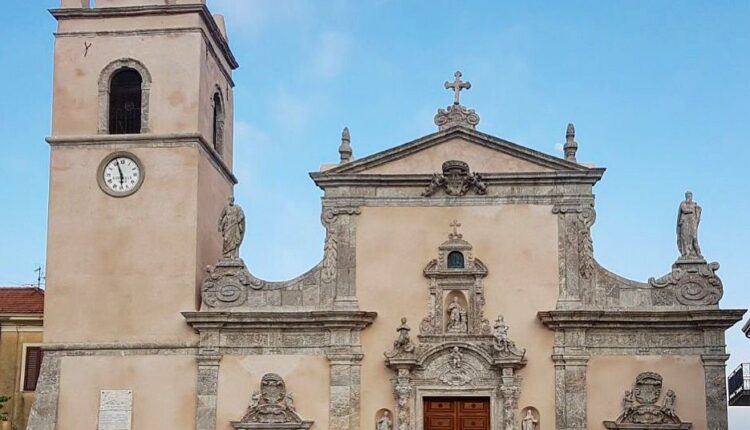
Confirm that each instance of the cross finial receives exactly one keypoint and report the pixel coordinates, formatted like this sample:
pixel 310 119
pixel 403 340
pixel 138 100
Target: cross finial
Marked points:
pixel 457 85
pixel 455 234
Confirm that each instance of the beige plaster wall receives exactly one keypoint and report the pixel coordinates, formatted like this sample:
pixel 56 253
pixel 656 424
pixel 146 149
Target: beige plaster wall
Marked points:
pixel 121 269
pixel 305 376
pixel 609 376
pixel 518 243
pixel 173 61
pixel 480 159
pixel 164 390
pixel 13 339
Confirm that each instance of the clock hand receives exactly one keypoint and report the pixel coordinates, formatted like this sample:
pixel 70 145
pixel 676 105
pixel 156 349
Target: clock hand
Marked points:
pixel 121 176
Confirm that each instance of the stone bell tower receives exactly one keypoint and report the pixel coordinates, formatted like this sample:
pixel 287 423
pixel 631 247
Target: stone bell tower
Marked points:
pixel 141 167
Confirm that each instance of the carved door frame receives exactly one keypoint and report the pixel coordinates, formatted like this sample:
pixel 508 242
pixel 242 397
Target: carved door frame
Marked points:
pixel 490 392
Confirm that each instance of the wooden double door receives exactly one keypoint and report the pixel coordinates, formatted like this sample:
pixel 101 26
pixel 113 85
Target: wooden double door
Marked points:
pixel 456 413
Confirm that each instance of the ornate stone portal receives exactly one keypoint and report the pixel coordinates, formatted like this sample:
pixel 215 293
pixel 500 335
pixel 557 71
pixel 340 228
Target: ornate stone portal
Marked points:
pixel 458 353
pixel 641 410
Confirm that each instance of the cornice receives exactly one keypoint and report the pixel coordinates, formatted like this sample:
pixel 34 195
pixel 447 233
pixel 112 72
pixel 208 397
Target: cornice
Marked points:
pixel 591 176
pixel 108 12
pixel 608 319
pixel 167 139
pixel 474 136
pixel 279 320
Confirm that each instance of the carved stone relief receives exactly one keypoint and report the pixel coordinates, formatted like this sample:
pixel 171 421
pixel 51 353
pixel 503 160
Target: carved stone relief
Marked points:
pixel 456 180
pixel 641 408
pixel 692 283
pixel 271 407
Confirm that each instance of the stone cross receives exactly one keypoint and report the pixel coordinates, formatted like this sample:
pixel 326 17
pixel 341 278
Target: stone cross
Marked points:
pixel 457 85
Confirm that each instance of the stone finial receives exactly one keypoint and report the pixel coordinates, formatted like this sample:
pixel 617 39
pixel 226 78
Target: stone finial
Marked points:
pixel 456 114
pixel 345 149
pixel 571 146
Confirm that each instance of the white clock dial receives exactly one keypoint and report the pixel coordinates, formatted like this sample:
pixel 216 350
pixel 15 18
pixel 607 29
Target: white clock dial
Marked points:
pixel 120 175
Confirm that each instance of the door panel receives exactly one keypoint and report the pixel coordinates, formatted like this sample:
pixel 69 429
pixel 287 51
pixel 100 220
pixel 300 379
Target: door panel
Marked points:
pixel 458 413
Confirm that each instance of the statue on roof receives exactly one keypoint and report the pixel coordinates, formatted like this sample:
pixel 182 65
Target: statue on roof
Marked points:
pixel 688 218
pixel 232 229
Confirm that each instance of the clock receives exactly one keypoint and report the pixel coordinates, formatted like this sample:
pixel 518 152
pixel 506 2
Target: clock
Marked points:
pixel 120 174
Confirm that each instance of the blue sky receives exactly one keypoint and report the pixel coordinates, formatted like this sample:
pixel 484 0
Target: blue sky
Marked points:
pixel 659 93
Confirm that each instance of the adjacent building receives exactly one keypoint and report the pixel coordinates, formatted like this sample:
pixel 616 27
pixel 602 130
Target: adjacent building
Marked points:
pixel 21 318
pixel 458 287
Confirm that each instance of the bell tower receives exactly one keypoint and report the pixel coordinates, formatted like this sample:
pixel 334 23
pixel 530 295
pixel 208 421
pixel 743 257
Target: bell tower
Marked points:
pixel 140 168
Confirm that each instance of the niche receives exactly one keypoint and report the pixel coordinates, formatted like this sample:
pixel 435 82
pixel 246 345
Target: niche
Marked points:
pixel 384 420
pixel 530 418
pixel 456 313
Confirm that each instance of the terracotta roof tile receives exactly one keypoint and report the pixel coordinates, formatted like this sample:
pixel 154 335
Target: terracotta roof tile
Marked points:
pixel 21 300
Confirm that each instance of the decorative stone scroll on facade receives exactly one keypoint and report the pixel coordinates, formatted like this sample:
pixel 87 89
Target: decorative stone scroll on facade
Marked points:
pixel 271 408
pixel 693 281
pixel 457 353
pixel 456 180
pixel 641 408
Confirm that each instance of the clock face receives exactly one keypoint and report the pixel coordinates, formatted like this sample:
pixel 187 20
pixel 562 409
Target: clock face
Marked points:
pixel 120 174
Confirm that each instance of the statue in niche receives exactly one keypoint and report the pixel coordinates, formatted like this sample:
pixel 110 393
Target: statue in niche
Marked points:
pixel 457 317
pixel 232 229
pixel 529 422
pixel 384 423
pixel 688 218
pixel 403 341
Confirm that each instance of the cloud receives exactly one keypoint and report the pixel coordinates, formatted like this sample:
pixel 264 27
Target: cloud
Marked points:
pixel 289 112
pixel 330 54
pixel 252 17
pixel 559 147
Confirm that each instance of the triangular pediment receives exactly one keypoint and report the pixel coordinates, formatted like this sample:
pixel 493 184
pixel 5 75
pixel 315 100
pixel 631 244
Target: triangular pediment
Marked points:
pixel 482 152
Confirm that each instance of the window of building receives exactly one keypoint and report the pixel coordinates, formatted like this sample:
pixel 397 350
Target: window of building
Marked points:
pixel 455 260
pixel 218 124
pixel 31 367
pixel 125 102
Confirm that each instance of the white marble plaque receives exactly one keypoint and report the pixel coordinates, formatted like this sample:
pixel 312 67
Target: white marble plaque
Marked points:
pixel 115 409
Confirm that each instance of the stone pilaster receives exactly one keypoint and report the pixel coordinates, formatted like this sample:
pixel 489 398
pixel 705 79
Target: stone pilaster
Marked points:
pixel 344 391
pixel 575 251
pixel 340 255
pixel 208 360
pixel 43 415
pixel 575 392
pixel 208 387
pixel 511 391
pixel 714 366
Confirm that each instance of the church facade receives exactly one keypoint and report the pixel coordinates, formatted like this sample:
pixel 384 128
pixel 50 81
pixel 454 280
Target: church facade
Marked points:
pixel 458 287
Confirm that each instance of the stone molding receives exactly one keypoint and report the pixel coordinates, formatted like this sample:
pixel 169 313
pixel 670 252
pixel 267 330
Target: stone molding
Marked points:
pixel 105 79
pixel 174 9
pixel 150 140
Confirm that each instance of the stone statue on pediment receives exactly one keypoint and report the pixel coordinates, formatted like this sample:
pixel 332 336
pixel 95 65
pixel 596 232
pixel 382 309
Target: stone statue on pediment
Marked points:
pixel 232 229
pixel 688 219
